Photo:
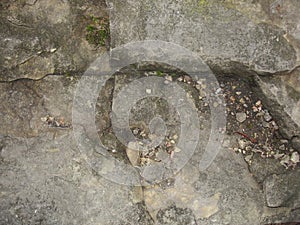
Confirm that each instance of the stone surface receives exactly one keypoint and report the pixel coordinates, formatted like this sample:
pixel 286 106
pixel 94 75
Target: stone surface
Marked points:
pixel 44 176
pixel 262 168
pixel 235 37
pixel 46 179
pixel 296 143
pixel 283 190
pixel 241 117
pixel 208 199
pixel 221 33
pixel 25 102
pixel 283 95
pixel 191 196
pixel 39 39
pixel 174 215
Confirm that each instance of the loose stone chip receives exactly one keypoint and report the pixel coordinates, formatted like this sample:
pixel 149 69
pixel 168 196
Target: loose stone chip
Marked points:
pixel 285 161
pixel 133 153
pixel 55 122
pixel 241 117
pixel 295 157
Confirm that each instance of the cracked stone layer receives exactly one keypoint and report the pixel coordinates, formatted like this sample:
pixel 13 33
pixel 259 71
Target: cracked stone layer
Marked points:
pixel 283 190
pixel 221 33
pixel 39 39
pixel 235 37
pixel 282 94
pixel 45 177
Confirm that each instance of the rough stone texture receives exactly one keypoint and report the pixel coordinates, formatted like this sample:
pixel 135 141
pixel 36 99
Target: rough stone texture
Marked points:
pixel 221 33
pixel 34 100
pixel 283 190
pixel 198 197
pixel 44 177
pixel 176 216
pixel 283 96
pixel 45 37
pixel 210 201
pixel 236 37
pixel 46 181
pixel 262 168
pixel 296 143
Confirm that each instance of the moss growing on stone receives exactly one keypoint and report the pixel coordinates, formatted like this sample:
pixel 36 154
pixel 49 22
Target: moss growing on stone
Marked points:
pixel 97 32
pixel 202 3
pixel 200 7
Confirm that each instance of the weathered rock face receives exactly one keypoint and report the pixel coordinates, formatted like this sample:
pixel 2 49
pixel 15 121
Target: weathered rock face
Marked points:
pixel 44 176
pixel 282 190
pixel 283 96
pixel 222 33
pixel 45 37
pixel 236 37
pixel 232 36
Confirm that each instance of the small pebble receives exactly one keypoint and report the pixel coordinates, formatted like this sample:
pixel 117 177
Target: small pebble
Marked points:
pixel 197 86
pixel 53 50
pixel 241 117
pixel 218 91
pixel 169 78
pixel 255 109
pixel 248 158
pixel 296 143
pixel 284 141
pixel 265 124
pixel 148 91
pixel 267 116
pixel 248 148
pixel 260 114
pixel 242 100
pixel 278 156
pixel 285 161
pixel 215 104
pixel 295 157
pixel 232 98
pixel 258 103
pixel 282 147
pixel 242 143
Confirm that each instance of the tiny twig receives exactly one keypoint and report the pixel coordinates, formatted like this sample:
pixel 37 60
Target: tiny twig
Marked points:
pixel 253 140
